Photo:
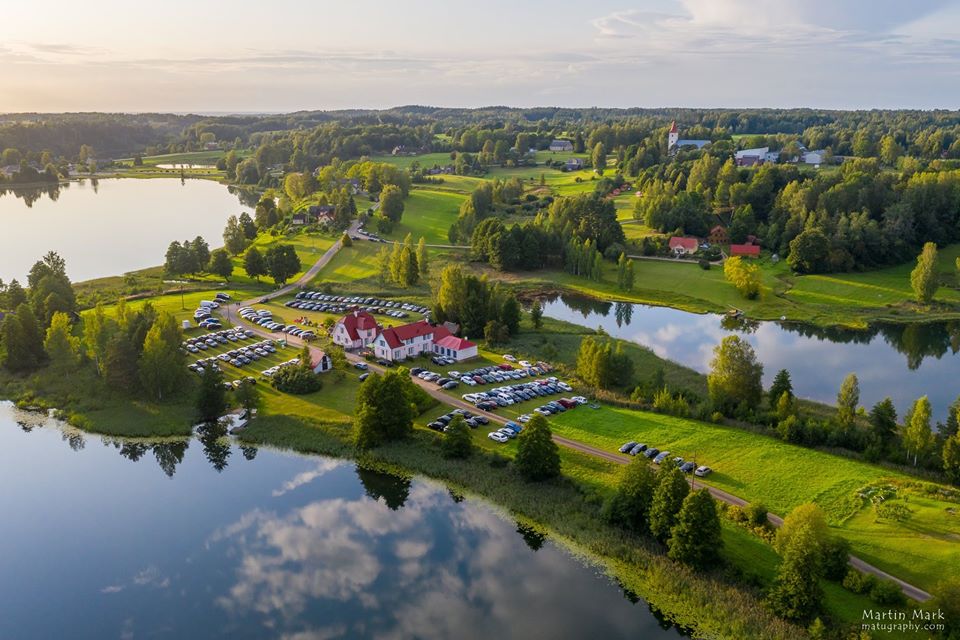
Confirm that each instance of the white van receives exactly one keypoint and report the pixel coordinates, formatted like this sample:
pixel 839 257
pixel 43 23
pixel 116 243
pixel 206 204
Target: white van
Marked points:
pixel 209 305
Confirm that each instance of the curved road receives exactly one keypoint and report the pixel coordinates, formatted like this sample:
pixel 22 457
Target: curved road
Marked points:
pixel 908 589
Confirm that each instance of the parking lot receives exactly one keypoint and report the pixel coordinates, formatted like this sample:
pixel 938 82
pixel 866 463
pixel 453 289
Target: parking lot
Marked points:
pixel 634 448
pixel 238 353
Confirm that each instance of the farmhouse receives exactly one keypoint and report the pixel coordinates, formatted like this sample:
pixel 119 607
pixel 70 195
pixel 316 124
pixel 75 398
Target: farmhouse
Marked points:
pixel 561 145
pixel 813 157
pixel 322 213
pixel 355 330
pixel 751 157
pixel 674 143
pixel 683 246
pixel 299 218
pixel 574 164
pixel 407 341
pixel 746 250
pixel 322 363
pixel 718 235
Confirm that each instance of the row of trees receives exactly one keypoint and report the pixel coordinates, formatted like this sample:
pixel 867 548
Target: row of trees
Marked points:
pixel 661 505
pixel 404 264
pixel 603 364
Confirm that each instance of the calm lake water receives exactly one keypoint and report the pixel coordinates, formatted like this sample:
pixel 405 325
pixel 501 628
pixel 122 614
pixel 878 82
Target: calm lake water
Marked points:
pixel 900 361
pixel 203 539
pixel 109 227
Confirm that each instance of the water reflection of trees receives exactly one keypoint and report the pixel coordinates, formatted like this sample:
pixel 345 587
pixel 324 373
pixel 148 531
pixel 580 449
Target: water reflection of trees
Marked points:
pixel 30 195
pixel 393 489
pixel 531 536
pixel 216 447
pixel 915 340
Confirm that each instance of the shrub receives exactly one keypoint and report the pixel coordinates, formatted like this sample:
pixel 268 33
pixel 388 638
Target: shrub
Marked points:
pixel 297 380
pixel 756 514
pixel 859 582
pixel 887 593
pixel 704 264
pixel 457 442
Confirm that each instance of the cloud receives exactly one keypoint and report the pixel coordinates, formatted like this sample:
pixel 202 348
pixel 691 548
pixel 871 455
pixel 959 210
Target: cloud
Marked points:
pixel 305 477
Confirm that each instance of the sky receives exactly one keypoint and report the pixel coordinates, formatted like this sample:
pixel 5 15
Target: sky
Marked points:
pixel 284 55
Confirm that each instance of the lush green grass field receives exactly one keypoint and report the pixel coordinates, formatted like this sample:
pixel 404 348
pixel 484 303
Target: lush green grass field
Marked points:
pixel 783 476
pixel 428 214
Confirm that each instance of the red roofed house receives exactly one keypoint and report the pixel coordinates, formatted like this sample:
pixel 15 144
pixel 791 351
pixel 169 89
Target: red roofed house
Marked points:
pixel 683 246
pixel 749 250
pixel 355 330
pixel 409 340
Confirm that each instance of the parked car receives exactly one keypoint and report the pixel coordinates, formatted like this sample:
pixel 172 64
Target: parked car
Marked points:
pixel 361 365
pixel 496 436
pixel 626 447
pixel 703 471
pixel 363 376
pixel 640 448
pixel 509 358
pixel 651 452
pixel 688 467
pixel 663 455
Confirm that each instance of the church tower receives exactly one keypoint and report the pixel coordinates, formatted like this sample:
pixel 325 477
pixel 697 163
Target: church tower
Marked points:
pixel 673 136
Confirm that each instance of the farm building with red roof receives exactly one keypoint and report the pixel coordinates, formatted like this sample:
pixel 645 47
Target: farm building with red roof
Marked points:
pixel 748 250
pixel 355 330
pixel 683 246
pixel 409 340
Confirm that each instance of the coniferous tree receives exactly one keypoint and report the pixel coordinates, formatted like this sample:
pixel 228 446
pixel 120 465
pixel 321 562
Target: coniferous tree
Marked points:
pixel 696 538
pixel 536 314
pixel 781 384
pixel 457 441
pixel 211 397
pixel 538 457
pixel 667 501
pixel 923 278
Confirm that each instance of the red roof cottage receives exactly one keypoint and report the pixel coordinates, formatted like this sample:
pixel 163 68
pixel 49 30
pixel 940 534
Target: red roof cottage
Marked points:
pixel 355 330
pixel 683 246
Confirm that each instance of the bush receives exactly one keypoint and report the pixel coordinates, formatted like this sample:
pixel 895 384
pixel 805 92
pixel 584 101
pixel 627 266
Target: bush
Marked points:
pixel 297 380
pixel 836 556
pixel 887 593
pixel 756 514
pixel 704 264
pixel 457 441
pixel 859 582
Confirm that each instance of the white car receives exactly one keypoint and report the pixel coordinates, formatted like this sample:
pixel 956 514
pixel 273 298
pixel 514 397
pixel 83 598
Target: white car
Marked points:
pixel 703 471
pixel 496 436
pixel 470 382
pixel 525 364
pixel 579 399
pixel 525 418
pixel 564 386
pixel 509 358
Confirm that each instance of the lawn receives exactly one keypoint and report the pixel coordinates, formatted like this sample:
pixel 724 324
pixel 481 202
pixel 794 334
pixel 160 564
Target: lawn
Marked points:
pixel 783 476
pixel 428 214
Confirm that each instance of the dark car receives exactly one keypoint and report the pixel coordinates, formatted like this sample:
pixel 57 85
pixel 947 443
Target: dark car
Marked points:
pixel 688 467
pixel 627 447
pixel 360 365
pixel 650 453
pixel 417 371
pixel 640 448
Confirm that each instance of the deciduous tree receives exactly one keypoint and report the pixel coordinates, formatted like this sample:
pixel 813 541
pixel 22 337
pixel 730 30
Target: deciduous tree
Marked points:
pixel 696 539
pixel 538 457
pixel 668 498
pixel 923 278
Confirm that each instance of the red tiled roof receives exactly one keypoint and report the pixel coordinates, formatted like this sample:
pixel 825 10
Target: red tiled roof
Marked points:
pixel 690 244
pixel 455 343
pixel 744 250
pixel 673 127
pixel 396 335
pixel 358 320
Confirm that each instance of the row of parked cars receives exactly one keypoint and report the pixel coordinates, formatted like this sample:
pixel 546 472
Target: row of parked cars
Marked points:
pixel 216 339
pixel 659 457
pixel 499 373
pixel 555 406
pixel 506 433
pixel 516 393
pixel 239 357
pixel 430 376
pixel 443 422
pixel 264 318
pixel 369 235
pixel 317 301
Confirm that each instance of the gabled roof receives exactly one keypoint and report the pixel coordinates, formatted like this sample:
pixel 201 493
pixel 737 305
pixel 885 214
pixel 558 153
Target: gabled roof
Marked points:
pixel 718 229
pixel 358 320
pixel 455 343
pixel 395 336
pixel 690 244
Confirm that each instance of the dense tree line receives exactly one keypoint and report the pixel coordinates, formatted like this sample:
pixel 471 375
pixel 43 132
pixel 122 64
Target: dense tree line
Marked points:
pixel 474 303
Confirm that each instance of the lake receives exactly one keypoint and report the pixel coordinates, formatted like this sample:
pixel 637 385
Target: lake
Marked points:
pixel 110 538
pixel 902 361
pixel 108 227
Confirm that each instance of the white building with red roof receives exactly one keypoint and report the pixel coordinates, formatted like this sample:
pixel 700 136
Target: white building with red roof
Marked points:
pixel 356 330
pixel 410 340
